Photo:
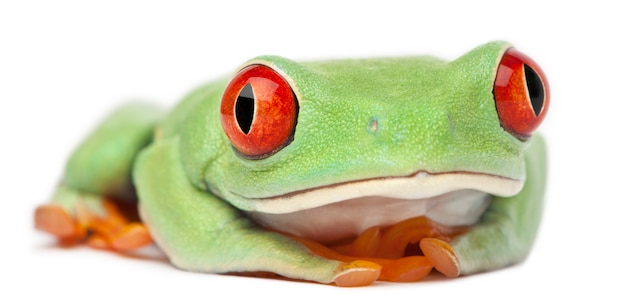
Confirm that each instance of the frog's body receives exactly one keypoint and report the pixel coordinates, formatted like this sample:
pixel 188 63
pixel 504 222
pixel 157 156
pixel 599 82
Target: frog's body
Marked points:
pixel 371 143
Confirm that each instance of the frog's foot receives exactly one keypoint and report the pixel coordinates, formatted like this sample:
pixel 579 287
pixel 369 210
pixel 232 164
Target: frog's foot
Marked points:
pixel 423 237
pixel 108 230
pixel 405 252
pixel 363 271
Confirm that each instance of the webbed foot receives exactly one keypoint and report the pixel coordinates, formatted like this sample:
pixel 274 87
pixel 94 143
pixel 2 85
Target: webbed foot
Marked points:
pixel 404 269
pixel 405 252
pixel 108 228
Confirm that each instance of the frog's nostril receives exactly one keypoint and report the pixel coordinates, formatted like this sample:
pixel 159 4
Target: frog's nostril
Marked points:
pixel 372 125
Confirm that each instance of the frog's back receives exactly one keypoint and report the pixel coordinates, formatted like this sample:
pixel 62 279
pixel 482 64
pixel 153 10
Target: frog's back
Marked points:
pixel 206 97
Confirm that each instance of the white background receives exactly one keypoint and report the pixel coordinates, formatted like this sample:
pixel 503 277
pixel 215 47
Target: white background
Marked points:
pixel 64 64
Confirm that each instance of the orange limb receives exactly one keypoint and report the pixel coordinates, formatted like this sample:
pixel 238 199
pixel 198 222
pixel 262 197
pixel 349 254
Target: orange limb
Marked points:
pixel 394 241
pixel 407 269
pixel 396 238
pixel 111 231
pixel 395 250
pixel 367 244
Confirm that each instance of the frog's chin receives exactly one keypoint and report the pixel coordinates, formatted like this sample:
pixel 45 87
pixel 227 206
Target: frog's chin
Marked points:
pixel 420 185
pixel 341 210
pixel 351 217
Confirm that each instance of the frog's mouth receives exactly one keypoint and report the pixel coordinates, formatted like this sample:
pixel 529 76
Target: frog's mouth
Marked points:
pixel 331 212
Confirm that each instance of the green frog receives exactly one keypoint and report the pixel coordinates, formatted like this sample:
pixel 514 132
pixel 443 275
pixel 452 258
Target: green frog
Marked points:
pixel 339 172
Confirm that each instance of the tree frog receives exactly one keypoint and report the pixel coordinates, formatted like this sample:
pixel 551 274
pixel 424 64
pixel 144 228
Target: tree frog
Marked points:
pixel 340 172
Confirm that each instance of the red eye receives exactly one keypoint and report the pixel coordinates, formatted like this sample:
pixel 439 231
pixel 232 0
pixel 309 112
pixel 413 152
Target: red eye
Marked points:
pixel 259 112
pixel 521 93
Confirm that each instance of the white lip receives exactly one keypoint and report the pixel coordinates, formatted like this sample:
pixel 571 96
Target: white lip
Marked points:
pixel 417 186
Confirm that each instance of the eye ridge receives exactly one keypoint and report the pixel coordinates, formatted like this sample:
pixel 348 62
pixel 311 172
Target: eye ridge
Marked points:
pixel 244 108
pixel 535 89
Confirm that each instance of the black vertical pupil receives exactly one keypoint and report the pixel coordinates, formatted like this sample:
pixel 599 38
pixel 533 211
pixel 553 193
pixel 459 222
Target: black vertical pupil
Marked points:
pixel 244 108
pixel 535 89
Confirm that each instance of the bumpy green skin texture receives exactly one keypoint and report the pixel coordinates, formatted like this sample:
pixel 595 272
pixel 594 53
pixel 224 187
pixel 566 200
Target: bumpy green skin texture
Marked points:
pixel 102 165
pixel 431 115
pixel 508 228
pixel 126 132
pixel 200 232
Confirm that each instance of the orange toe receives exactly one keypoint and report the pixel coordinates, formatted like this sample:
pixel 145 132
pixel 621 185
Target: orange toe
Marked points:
pixel 56 221
pixel 441 255
pixel 112 230
pixel 132 236
pixel 357 273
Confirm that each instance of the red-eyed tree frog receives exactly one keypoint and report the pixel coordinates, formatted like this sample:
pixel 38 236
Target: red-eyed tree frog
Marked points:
pixel 340 172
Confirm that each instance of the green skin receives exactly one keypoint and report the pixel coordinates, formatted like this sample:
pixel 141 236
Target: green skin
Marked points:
pixel 430 115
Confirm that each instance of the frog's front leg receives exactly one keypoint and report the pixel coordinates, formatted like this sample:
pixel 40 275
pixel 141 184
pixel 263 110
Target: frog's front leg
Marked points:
pixel 200 232
pixel 506 232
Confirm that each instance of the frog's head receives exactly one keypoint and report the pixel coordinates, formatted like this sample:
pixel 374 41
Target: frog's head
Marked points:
pixel 308 135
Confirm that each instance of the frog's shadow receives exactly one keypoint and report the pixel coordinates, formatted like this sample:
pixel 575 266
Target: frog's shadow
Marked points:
pixel 153 253
pixel 433 277
pixel 147 253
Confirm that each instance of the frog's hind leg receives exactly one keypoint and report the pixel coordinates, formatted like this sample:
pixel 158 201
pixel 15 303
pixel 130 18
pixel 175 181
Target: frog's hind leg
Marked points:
pixel 96 199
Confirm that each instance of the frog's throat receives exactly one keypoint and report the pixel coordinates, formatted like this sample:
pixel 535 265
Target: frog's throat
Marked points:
pixel 419 185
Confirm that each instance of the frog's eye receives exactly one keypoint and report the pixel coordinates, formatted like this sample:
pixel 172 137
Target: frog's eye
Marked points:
pixel 521 93
pixel 259 112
